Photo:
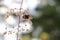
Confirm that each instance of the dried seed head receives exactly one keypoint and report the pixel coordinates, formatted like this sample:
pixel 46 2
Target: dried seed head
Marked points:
pixel 7 15
pixel 30 22
pixel 4 33
pixel 28 30
pixel 23 29
pixel 10 32
pixel 11 11
pixel 13 32
pixel 17 13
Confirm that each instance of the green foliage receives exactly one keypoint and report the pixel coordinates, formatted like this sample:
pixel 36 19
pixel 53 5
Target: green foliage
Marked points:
pixel 58 2
pixel 50 19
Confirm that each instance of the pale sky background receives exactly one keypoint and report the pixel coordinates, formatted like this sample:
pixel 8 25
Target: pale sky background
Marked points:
pixel 30 4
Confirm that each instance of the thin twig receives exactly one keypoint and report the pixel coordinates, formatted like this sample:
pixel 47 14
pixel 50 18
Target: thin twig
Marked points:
pixel 19 20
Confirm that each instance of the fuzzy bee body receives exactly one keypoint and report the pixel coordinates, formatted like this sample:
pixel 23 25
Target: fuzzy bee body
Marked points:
pixel 26 16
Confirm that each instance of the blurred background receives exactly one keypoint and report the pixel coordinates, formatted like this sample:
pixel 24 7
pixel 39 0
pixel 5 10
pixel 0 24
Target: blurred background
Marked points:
pixel 46 18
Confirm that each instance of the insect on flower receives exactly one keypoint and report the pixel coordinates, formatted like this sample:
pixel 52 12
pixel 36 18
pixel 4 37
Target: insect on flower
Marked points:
pixel 26 14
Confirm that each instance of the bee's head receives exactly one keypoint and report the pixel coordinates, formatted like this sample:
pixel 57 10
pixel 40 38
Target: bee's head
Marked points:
pixel 26 16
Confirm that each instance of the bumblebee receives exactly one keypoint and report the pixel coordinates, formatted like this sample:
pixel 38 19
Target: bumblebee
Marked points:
pixel 26 16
